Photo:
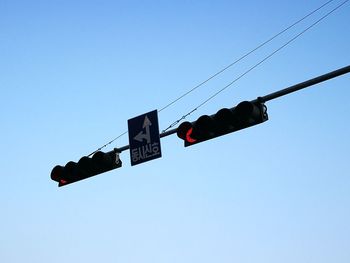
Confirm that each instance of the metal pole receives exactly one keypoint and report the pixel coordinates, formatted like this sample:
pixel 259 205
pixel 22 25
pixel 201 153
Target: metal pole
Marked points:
pixel 274 95
pixel 305 84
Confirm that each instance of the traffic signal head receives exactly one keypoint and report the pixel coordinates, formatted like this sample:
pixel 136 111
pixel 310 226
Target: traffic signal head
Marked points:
pixel 244 115
pixel 86 167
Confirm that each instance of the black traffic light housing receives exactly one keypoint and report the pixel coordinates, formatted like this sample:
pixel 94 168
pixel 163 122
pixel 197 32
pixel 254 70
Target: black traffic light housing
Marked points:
pixel 244 115
pixel 86 167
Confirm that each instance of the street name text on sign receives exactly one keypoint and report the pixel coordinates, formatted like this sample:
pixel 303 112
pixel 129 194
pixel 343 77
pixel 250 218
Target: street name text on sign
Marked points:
pixel 144 138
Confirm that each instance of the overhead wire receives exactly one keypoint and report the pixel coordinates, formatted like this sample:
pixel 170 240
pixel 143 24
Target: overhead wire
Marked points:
pixel 245 55
pixel 253 67
pixel 232 64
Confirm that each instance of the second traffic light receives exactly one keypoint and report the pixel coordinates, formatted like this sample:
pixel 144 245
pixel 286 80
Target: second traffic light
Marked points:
pixel 99 163
pixel 244 115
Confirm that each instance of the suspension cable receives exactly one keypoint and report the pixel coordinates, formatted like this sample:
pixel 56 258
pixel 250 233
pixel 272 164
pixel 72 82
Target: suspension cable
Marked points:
pixel 244 56
pixel 255 66
pixel 232 64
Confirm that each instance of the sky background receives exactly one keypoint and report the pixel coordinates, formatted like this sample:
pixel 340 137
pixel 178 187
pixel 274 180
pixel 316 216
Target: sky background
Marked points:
pixel 74 72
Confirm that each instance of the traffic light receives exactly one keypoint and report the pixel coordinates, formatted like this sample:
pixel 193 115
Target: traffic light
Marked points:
pixel 244 115
pixel 86 167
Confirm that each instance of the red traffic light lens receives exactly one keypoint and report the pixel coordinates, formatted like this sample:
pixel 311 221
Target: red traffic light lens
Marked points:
pixel 62 182
pixel 188 136
pixel 184 132
pixel 56 173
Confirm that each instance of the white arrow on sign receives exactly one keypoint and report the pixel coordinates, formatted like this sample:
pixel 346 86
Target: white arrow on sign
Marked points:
pixel 147 135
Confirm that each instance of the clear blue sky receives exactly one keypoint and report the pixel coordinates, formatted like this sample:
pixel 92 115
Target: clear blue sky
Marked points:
pixel 74 72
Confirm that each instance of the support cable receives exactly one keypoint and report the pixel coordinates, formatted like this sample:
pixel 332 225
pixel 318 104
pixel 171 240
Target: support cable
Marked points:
pixel 255 66
pixel 244 56
pixel 229 66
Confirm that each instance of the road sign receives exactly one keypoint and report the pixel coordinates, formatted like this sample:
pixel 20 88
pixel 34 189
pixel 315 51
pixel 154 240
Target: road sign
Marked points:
pixel 144 140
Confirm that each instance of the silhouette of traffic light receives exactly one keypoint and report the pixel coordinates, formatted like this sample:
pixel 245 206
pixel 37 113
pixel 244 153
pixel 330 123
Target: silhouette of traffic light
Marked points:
pixel 86 167
pixel 244 115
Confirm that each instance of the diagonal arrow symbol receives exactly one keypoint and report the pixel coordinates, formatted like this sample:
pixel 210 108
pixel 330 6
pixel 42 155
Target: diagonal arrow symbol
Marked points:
pixel 147 135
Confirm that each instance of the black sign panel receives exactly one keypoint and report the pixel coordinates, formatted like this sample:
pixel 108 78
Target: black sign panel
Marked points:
pixel 144 138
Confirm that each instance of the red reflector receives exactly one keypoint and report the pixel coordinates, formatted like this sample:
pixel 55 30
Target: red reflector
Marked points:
pixel 188 136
